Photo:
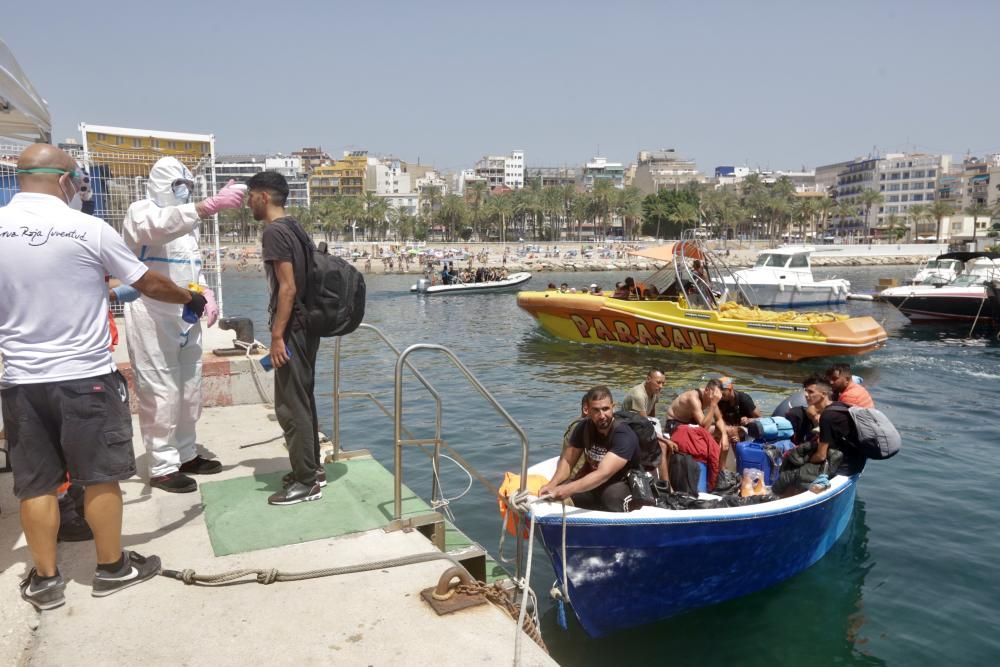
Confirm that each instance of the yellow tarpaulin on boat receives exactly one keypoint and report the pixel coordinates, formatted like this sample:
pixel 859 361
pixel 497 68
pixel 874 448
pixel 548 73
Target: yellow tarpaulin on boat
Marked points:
pixel 736 311
pixel 511 485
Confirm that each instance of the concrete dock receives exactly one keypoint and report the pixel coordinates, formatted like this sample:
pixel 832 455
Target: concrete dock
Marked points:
pixel 368 618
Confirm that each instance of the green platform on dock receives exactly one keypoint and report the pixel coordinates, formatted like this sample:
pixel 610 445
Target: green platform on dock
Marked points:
pixel 357 498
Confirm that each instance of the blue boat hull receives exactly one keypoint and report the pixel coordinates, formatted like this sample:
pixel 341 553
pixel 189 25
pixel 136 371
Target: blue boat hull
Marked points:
pixel 624 572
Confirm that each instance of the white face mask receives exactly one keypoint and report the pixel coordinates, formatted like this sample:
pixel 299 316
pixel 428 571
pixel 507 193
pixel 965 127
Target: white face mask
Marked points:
pixel 76 203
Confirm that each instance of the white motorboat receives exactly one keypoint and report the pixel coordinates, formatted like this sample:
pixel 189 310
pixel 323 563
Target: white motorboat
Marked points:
pixel 965 298
pixel 782 278
pixel 511 282
pixel 939 271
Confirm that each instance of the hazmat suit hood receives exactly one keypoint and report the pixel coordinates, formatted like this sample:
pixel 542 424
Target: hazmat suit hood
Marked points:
pixel 159 187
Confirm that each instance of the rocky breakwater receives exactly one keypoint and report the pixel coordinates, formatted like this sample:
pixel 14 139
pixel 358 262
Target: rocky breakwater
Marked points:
pixel 868 260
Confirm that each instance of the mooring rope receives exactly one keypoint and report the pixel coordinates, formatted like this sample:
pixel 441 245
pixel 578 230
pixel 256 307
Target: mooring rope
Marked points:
pixel 271 575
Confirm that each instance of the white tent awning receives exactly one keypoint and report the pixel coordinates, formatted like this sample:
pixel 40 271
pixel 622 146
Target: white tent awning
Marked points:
pixel 24 115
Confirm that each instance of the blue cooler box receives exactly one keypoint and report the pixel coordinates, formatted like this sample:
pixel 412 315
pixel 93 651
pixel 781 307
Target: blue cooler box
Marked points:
pixel 751 454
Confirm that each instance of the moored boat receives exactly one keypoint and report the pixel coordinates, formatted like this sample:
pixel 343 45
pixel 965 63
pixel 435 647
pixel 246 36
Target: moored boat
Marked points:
pixel 782 278
pixel 688 312
pixel 511 282
pixel 629 569
pixel 964 299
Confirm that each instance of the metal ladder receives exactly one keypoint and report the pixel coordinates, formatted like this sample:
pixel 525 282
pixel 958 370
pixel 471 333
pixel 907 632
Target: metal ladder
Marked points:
pixel 431 525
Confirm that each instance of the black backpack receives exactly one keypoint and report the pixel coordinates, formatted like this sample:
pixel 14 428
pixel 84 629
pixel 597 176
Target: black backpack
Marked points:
pixel 334 302
pixel 649 446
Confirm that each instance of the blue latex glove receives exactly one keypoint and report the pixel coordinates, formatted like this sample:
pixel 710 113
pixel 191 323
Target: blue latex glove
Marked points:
pixel 125 293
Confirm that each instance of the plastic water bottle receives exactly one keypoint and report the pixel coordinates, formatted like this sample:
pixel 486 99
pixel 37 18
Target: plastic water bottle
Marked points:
pixel 188 314
pixel 265 361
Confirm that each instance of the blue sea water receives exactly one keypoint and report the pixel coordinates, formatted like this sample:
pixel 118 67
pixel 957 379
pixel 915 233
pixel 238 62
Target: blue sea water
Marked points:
pixel 913 581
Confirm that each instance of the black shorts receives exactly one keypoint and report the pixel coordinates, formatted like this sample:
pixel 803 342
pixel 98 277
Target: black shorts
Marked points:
pixel 82 427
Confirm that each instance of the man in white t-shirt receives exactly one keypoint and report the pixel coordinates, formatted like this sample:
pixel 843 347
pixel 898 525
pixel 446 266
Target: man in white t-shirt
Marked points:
pixel 65 406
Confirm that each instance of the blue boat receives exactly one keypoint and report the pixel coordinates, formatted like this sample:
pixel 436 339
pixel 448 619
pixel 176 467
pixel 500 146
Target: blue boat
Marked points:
pixel 630 569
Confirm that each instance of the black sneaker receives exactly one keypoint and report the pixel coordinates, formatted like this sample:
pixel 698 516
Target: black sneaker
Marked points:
pixel 290 477
pixel 175 482
pixel 136 570
pixel 295 493
pixel 47 594
pixel 199 465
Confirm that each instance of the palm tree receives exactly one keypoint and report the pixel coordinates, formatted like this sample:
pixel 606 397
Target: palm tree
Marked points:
pixel 580 209
pixel 602 197
pixel 502 208
pixel 628 206
pixel 825 208
pixel 476 195
pixel 375 208
pixel 870 198
pixel 430 199
pixel 845 210
pixel 804 211
pixel 940 210
pixel 918 213
pixel 897 228
pixel 977 210
pixel 684 213
pixel 354 212
pixel 552 207
pixel 452 215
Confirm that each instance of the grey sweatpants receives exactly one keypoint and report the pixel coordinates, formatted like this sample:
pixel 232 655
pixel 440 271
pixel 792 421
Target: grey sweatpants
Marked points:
pixel 295 405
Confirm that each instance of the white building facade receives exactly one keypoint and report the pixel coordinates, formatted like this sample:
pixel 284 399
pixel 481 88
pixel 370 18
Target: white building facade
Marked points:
pixel 500 171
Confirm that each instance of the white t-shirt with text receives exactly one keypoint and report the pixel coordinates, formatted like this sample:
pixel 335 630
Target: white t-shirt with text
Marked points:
pixel 54 312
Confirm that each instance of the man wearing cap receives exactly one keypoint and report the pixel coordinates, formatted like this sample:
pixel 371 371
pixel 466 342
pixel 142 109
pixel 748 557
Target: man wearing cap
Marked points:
pixel 737 408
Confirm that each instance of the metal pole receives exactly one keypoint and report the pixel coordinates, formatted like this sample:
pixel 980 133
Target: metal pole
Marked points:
pixel 336 397
pixel 397 423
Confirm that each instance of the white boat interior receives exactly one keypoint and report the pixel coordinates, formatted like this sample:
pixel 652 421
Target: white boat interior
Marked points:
pixel 783 277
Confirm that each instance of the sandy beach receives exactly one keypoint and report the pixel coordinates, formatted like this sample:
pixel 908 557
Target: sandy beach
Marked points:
pixel 541 258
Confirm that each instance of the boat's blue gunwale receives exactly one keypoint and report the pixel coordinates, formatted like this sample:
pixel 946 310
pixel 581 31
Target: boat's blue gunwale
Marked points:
pixel 597 518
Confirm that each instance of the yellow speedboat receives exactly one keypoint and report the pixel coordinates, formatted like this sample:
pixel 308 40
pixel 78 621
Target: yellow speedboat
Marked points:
pixel 690 311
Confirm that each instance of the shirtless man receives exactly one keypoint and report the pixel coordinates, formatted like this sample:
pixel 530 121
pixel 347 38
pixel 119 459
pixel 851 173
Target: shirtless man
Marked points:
pixel 701 407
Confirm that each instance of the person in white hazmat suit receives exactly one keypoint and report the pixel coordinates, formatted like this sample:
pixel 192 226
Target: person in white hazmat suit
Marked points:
pixel 164 349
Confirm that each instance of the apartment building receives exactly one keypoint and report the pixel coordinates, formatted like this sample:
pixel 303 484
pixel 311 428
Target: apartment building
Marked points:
pixel 501 170
pixel 601 169
pixel 665 168
pixel 344 177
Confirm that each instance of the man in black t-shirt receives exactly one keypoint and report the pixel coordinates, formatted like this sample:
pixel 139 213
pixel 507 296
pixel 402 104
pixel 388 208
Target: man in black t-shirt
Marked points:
pixel 737 408
pixel 293 349
pixel 610 449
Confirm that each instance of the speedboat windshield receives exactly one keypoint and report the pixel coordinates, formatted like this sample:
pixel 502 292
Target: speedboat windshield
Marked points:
pixel 770 259
pixel 969 280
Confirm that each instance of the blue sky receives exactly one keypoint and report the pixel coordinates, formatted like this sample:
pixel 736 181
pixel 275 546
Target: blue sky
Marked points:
pixel 771 84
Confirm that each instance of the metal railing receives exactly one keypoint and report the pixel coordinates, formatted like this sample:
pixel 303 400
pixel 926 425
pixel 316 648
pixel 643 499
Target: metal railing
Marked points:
pixel 396 415
pixel 398 423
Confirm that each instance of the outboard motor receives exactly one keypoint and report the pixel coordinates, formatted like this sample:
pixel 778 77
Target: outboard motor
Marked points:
pixel 422 285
